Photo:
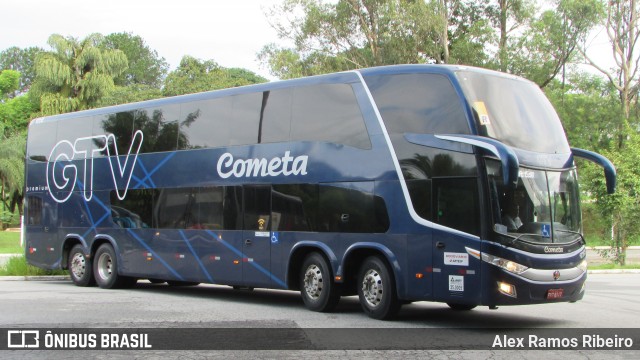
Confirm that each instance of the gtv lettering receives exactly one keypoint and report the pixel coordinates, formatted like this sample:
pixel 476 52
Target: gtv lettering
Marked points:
pixel 286 165
pixel 62 174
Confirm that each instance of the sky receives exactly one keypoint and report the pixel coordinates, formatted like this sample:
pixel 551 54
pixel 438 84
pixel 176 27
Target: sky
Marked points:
pixel 230 32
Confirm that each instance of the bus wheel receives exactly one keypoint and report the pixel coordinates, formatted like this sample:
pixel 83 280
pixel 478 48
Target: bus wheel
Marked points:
pixel 461 307
pixel 80 267
pixel 319 292
pixel 105 269
pixel 377 290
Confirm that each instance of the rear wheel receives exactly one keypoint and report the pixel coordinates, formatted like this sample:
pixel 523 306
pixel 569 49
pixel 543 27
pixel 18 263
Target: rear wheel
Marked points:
pixel 80 267
pixel 317 288
pixel 105 269
pixel 377 289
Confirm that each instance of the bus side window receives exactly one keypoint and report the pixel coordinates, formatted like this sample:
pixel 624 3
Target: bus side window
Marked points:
pixel 456 204
pixel 328 112
pixel 275 122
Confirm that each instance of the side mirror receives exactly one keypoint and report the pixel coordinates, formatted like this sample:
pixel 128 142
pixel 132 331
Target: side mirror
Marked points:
pixel 508 157
pixel 606 164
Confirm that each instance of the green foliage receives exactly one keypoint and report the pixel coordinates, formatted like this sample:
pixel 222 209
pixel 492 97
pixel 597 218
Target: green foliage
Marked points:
pixel 347 34
pixel 11 169
pixel 553 38
pixel 146 67
pixel 15 114
pixel 23 61
pixel 194 75
pixel 9 82
pixel 590 109
pixel 75 74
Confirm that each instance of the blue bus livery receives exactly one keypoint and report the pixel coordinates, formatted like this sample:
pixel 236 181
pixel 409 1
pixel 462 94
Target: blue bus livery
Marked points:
pixel 399 184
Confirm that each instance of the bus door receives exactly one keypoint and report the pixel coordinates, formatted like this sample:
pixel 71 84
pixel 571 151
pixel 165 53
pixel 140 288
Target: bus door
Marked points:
pixel 256 235
pixel 456 274
pixel 40 223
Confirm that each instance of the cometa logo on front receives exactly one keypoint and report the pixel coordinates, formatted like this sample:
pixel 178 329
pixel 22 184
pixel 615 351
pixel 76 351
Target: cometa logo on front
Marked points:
pixel 553 250
pixel 261 167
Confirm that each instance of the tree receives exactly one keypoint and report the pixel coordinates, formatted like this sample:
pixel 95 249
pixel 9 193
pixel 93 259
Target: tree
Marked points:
pixel 23 61
pixel 194 75
pixel 14 112
pixel 347 34
pixel 469 32
pixel 622 27
pixel 75 74
pixel 510 16
pixel 623 30
pixel 15 115
pixel 146 67
pixel 9 82
pixel 11 170
pixel 552 39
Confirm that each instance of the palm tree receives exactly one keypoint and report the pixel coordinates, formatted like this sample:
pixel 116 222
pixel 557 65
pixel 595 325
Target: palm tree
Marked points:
pixel 11 169
pixel 75 74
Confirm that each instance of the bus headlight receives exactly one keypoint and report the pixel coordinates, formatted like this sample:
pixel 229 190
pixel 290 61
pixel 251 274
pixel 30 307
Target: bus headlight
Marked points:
pixel 583 265
pixel 510 266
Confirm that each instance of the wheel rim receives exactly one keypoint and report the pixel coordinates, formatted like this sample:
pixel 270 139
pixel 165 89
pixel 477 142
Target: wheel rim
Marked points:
pixel 313 281
pixel 105 266
pixel 372 288
pixel 78 265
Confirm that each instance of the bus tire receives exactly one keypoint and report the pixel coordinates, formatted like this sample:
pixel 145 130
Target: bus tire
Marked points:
pixel 377 290
pixel 317 288
pixel 80 268
pixel 105 269
pixel 461 307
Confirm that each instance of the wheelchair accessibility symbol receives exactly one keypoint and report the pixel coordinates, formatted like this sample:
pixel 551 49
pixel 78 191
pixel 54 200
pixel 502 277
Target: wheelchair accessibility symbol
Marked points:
pixel 274 237
pixel 546 230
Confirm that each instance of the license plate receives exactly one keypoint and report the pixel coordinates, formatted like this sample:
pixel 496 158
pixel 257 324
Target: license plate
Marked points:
pixel 555 293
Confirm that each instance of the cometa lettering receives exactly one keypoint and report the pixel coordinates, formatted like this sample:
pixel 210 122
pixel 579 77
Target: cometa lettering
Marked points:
pixel 286 165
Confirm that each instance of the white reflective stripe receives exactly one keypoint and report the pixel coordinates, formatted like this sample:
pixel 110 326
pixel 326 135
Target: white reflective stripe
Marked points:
pixel 403 183
pixel 437 270
pixel 473 252
pixel 473 142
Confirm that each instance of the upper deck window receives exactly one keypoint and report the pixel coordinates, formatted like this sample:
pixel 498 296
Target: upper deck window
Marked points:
pixel 418 103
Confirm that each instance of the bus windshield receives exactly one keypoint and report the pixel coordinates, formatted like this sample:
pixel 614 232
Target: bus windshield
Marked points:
pixel 513 111
pixel 543 208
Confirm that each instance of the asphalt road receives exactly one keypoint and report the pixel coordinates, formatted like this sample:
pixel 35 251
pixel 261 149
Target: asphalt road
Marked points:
pixel 611 302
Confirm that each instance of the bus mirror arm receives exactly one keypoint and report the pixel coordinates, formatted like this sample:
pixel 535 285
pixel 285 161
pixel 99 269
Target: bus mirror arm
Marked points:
pixel 461 143
pixel 606 164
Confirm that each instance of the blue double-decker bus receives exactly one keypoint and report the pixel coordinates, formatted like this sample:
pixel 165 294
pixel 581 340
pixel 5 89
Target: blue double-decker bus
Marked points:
pixel 398 184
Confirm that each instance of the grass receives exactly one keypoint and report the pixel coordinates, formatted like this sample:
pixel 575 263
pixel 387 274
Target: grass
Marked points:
pixel 17 266
pixel 10 243
pixel 610 266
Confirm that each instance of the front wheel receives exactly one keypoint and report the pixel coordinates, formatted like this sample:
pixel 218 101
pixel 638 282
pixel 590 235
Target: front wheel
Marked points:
pixel 461 307
pixel 80 267
pixel 105 269
pixel 377 290
pixel 318 290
